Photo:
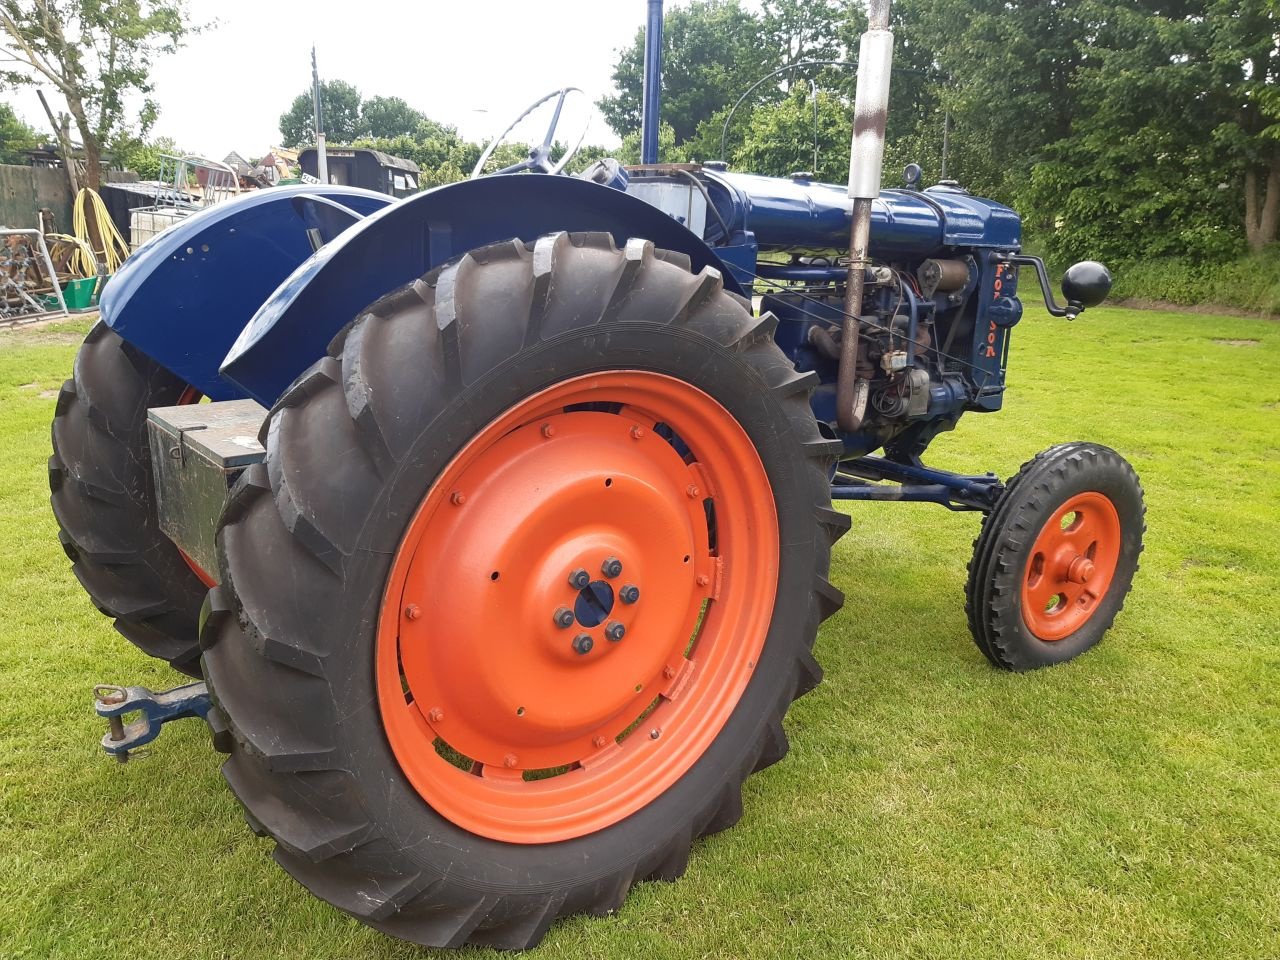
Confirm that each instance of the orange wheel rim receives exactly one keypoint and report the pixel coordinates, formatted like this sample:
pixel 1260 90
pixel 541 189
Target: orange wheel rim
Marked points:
pixel 577 606
pixel 1071 566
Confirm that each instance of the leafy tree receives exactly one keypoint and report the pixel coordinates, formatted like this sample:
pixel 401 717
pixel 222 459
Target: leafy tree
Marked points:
pixel 143 157
pixel 388 117
pixel 712 51
pixel 97 55
pixel 808 29
pixel 343 123
pixel 629 152
pixel 16 138
pixel 780 137
pixel 1175 144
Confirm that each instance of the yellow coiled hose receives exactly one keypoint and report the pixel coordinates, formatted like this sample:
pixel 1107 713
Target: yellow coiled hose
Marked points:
pixel 115 249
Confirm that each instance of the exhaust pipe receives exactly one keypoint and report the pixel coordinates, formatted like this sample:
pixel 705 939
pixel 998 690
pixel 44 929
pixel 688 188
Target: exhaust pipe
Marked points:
pixel 652 84
pixel 866 161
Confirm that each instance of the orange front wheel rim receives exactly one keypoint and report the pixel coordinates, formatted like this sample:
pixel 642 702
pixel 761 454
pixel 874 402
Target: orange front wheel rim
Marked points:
pixel 577 606
pixel 1071 566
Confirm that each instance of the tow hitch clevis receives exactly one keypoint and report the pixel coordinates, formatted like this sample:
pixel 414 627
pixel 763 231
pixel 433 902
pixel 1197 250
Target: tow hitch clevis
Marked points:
pixel 154 710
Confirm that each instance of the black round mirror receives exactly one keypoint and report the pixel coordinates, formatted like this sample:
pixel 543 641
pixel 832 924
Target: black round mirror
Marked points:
pixel 1086 283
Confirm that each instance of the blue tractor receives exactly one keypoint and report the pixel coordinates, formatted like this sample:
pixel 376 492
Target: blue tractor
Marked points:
pixel 501 536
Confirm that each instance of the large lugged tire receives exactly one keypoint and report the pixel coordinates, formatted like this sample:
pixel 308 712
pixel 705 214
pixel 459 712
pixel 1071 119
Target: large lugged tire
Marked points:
pixel 514 489
pixel 104 499
pixel 1055 559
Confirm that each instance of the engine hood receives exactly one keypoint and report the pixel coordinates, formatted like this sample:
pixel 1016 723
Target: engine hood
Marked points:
pixel 798 213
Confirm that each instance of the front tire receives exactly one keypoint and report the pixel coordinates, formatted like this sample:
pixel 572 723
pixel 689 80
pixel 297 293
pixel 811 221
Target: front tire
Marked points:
pixel 1056 557
pixel 432 748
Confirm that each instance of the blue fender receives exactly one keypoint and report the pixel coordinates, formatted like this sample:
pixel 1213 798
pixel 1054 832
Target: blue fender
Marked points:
pixel 184 296
pixel 401 242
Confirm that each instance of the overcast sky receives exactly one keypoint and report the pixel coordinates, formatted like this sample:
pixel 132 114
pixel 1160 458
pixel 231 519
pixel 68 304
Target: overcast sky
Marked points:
pixel 475 65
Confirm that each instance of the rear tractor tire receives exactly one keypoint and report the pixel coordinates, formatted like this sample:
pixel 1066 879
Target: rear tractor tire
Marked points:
pixel 1056 557
pixel 104 499
pixel 522 591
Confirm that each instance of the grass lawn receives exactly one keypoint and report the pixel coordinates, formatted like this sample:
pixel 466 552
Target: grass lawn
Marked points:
pixel 1125 805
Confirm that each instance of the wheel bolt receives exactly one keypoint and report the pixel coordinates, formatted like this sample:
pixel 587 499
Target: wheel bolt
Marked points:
pixel 1080 570
pixel 510 760
pixel 436 715
pixel 458 498
pixel 412 611
pixel 599 742
pixel 629 594
pixel 563 618
pixel 611 567
pixel 614 631
pixel 637 433
pixel 583 643
pixel 703 580
pixel 548 430
pixel 692 491
pixel 579 579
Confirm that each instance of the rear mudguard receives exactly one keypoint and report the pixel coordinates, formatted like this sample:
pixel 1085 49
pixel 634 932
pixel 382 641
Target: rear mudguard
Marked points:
pixel 183 297
pixel 400 243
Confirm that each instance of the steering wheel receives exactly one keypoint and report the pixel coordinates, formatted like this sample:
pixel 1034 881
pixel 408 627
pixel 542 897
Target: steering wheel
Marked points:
pixel 539 159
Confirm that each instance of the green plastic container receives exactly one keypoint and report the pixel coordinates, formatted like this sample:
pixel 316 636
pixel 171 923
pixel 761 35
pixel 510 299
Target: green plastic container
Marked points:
pixel 79 293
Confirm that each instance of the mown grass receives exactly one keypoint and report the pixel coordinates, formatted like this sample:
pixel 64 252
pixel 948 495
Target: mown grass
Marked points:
pixel 1125 805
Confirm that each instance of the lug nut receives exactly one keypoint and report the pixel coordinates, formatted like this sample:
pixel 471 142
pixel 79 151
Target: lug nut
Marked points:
pixel 693 491
pixel 599 742
pixel 458 498
pixel 563 618
pixel 637 433
pixel 548 430
pixel 510 760
pixel 583 643
pixel 436 715
pixel 629 594
pixel 611 567
pixel 579 579
pixel 614 631
pixel 412 612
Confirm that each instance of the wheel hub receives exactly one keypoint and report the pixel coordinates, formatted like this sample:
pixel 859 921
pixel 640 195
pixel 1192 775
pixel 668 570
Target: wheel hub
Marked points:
pixel 604 553
pixel 544 505
pixel 1071 565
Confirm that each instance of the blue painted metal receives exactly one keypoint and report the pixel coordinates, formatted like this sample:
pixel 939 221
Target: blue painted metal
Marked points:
pixel 154 710
pixel 650 119
pixel 184 296
pixel 801 214
pixel 402 242
pixel 909 482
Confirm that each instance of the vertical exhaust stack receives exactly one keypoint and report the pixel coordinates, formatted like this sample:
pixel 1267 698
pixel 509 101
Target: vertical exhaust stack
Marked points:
pixel 322 159
pixel 866 160
pixel 652 84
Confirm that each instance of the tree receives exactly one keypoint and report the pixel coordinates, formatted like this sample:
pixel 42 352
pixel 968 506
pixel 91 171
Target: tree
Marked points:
pixel 388 117
pixel 143 157
pixel 1175 149
pixel 780 138
pixel 97 54
pixel 712 51
pixel 340 103
pixel 16 138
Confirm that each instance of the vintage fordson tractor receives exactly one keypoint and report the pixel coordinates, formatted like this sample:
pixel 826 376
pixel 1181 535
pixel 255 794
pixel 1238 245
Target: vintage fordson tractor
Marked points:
pixel 501 539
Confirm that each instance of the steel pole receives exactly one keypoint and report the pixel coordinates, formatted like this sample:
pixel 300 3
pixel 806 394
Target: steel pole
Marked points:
pixel 649 122
pixel 866 160
pixel 322 161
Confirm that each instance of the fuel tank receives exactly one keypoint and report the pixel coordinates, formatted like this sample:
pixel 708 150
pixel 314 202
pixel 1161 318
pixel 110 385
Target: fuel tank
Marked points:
pixel 798 213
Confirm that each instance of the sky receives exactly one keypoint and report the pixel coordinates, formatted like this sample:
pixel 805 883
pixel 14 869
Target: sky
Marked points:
pixel 474 64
